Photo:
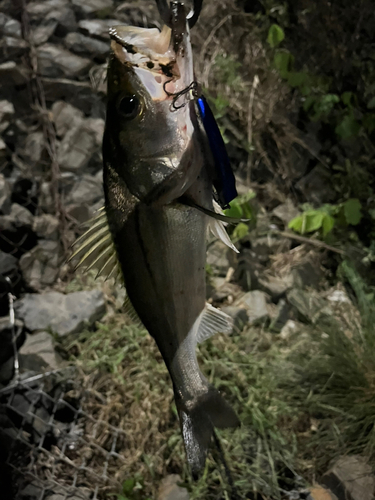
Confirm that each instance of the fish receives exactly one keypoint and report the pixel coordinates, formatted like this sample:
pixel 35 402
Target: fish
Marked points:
pixel 158 172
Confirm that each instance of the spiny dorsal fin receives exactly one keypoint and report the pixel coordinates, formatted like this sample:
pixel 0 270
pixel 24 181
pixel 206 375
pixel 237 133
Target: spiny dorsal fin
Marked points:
pixel 95 248
pixel 212 321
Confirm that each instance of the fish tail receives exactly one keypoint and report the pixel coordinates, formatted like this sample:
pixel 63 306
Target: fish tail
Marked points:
pixel 198 420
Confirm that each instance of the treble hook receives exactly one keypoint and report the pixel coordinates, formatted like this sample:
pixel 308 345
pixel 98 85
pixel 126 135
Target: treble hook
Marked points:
pixel 165 12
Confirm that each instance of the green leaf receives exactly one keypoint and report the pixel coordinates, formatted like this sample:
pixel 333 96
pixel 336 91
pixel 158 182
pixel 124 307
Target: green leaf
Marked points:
pixel 348 128
pixel 275 35
pixel 297 78
pixel 235 210
pixel 296 224
pixel 369 122
pixel 313 221
pixel 309 101
pixel 348 98
pixel 352 211
pixel 283 61
pixel 327 224
pixel 240 231
pixel 371 103
pixel 128 485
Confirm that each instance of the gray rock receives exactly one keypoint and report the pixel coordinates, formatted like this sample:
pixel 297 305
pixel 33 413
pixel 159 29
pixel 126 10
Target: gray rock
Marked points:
pixel 275 286
pixel 317 187
pixel 10 27
pixel 6 371
pixel 79 212
pixel 8 263
pixel 286 212
pixel 239 316
pixel 45 201
pixel 77 147
pixel 79 94
pixel 265 246
pixel 13 47
pixel 42 33
pixel 34 147
pixel 351 477
pixel 339 297
pixel 306 274
pixel 12 74
pixel 38 352
pixel 223 290
pixel 217 258
pixel 63 314
pixel 289 329
pixel 41 265
pixel 88 189
pixel 54 61
pixel 46 226
pixel 92 6
pixel 6 112
pixel 255 304
pixel 248 270
pixel 169 489
pixel 65 116
pixel 310 307
pixel 65 17
pixel 20 215
pixel 39 10
pixel 97 27
pixel 5 196
pixel 96 126
pixel 281 317
pixel 6 336
pixel 86 46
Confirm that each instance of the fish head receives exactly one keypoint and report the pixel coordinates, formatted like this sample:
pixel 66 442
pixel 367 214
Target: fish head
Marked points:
pixel 152 134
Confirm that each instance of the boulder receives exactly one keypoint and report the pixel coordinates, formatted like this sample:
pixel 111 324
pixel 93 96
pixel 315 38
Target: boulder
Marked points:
pixel 62 314
pixel 34 146
pixel 97 27
pixel 12 47
pixel 351 477
pixel 77 147
pixel 65 116
pixel 86 46
pixel 42 33
pixel 8 263
pixel 10 27
pixel 88 189
pixel 54 61
pixel 12 74
pixel 5 196
pixel 310 307
pixel 41 265
pixel 255 305
pixel 38 352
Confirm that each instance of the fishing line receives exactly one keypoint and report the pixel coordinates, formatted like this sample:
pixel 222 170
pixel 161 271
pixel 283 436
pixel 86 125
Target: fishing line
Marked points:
pixel 228 473
pixel 193 87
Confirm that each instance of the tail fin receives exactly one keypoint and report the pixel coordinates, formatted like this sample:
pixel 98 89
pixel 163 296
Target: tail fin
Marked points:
pixel 198 420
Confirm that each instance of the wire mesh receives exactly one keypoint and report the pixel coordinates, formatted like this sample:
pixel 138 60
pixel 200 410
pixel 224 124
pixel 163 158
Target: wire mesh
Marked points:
pixel 56 448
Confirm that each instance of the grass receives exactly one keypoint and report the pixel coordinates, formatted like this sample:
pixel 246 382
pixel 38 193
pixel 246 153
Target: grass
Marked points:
pixel 301 401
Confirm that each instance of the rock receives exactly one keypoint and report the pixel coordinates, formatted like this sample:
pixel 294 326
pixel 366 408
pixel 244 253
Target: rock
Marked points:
pixel 11 47
pixel 3 149
pixel 320 493
pixel 169 489
pixel 274 286
pixel 46 202
pixel 239 316
pixel 87 189
pixel 351 477
pixel 265 246
pixel 310 307
pixel 339 297
pixel 316 186
pixel 10 27
pixel 6 336
pixel 92 6
pixel 65 116
pixel 306 274
pixel 80 213
pixel 39 10
pixel 281 317
pixel 46 226
pixel 6 112
pixel 54 61
pixel 286 212
pixel 217 258
pixel 255 304
pixel 20 215
pixel 8 263
pixel 97 27
pixel 77 147
pixel 12 74
pixel 86 46
pixel 34 147
pixel 63 314
pixel 6 371
pixel 79 94
pixel 43 32
pixel 223 290
pixel 5 196
pixel 41 265
pixel 96 125
pixel 248 270
pixel 38 352
pixel 288 330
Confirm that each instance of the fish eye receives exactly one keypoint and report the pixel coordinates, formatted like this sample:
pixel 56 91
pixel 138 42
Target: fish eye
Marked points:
pixel 128 106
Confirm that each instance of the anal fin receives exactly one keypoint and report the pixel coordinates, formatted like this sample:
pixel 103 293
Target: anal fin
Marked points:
pixel 212 321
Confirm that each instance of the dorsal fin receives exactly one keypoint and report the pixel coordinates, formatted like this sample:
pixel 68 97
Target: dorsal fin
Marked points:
pixel 212 321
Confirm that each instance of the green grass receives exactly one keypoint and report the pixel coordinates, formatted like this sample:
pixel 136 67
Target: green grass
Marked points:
pixel 301 401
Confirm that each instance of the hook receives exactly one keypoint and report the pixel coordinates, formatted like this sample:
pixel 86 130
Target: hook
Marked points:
pixel 165 12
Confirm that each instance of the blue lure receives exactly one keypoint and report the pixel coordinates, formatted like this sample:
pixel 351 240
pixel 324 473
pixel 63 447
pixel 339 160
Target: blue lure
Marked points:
pixel 225 182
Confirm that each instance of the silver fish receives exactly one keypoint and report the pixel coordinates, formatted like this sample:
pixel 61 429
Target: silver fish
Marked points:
pixel 158 192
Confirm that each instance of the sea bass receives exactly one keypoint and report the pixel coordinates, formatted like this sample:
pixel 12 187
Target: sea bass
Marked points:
pixel 158 178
